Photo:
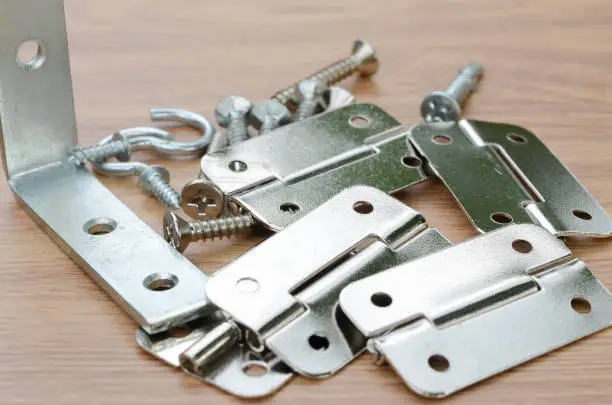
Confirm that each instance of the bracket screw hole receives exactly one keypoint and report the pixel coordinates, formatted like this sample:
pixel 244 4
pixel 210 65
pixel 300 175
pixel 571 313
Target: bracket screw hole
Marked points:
pixel 289 208
pixel 359 121
pixel 363 207
pixel 522 246
pixel 255 369
pixel 582 215
pixel 31 55
pixel 516 138
pixel 179 332
pixel 438 363
pixel 238 166
pixel 381 299
pixel 318 342
pixel 501 218
pixel 442 139
pixel 247 285
pixel 161 281
pixel 580 305
pixel 411 161
pixel 100 226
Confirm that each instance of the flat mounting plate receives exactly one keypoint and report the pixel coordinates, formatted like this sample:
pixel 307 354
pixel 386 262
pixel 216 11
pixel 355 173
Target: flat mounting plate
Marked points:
pixel 502 174
pixel 468 312
pixel 155 284
pixel 286 173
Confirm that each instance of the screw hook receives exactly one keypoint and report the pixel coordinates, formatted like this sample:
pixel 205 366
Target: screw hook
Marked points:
pixel 187 118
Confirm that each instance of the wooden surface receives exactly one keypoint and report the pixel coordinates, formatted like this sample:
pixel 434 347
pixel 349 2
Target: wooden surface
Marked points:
pixel 63 341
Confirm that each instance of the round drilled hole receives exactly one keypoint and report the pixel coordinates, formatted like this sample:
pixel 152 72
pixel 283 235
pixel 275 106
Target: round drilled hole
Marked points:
pixel 318 342
pixel 501 218
pixel 522 246
pixel 582 215
pixel 580 305
pixel 254 369
pixel 289 208
pixel 441 139
pixel 438 363
pixel 381 299
pixel 359 121
pixel 411 161
pixel 31 55
pixel 100 226
pixel 238 166
pixel 247 285
pixel 363 207
pixel 180 331
pixel 161 281
pixel 516 138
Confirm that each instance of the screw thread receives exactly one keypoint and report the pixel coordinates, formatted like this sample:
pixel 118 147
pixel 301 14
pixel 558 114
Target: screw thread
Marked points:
pixel 164 191
pixel 329 75
pixel 268 125
pixel 306 109
pixel 219 228
pixel 466 82
pixel 100 152
pixel 237 129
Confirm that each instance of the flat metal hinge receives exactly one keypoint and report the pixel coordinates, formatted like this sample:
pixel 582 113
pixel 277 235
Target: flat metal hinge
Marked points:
pixel 458 316
pixel 501 174
pixel 282 175
pixel 282 296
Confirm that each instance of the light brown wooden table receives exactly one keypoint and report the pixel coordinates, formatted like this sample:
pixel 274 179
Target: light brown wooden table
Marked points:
pixel 549 68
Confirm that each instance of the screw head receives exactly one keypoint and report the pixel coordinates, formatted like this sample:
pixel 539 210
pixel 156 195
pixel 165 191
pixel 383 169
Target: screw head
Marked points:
pixel 145 177
pixel 366 55
pixel 337 97
pixel 127 152
pixel 201 199
pixel 269 109
pixel 438 106
pixel 176 231
pixel 231 105
pixel 309 88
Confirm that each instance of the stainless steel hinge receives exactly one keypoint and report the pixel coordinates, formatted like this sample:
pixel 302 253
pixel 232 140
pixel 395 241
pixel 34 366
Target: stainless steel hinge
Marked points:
pixel 284 293
pixel 458 316
pixel 151 281
pixel 501 174
pixel 282 175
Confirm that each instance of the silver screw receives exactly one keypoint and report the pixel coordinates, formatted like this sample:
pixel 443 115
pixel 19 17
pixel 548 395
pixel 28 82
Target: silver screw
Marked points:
pixel 337 97
pixel 155 180
pixel 180 233
pixel 231 113
pixel 363 60
pixel 202 199
pixel 269 115
pixel 308 94
pixel 446 105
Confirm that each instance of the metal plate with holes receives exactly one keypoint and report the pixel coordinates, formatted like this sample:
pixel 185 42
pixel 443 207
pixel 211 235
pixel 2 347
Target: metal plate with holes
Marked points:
pixel 241 372
pixel 155 284
pixel 502 174
pixel 285 291
pixel 458 316
pixel 282 175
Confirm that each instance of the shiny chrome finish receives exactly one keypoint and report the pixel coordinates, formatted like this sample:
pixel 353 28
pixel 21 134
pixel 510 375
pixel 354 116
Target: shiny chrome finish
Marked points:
pixel 501 174
pixel 153 283
pixel 363 60
pixel 279 177
pixel 337 97
pixel 458 316
pixel 442 106
pixel 360 232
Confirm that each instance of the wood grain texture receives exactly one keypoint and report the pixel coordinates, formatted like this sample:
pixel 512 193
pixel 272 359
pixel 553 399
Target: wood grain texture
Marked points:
pixel 63 341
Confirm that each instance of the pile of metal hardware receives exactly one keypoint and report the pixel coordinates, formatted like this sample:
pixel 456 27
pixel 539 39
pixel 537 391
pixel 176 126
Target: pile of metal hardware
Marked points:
pixel 348 268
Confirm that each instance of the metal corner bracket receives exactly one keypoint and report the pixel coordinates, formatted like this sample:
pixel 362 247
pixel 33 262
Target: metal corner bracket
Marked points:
pixel 155 284
pixel 453 318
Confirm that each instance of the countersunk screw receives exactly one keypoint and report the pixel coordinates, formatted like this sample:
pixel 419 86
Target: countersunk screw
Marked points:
pixel 308 94
pixel 269 115
pixel 363 60
pixel 231 113
pixel 180 233
pixel 446 105
pixel 202 199
pixel 155 181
